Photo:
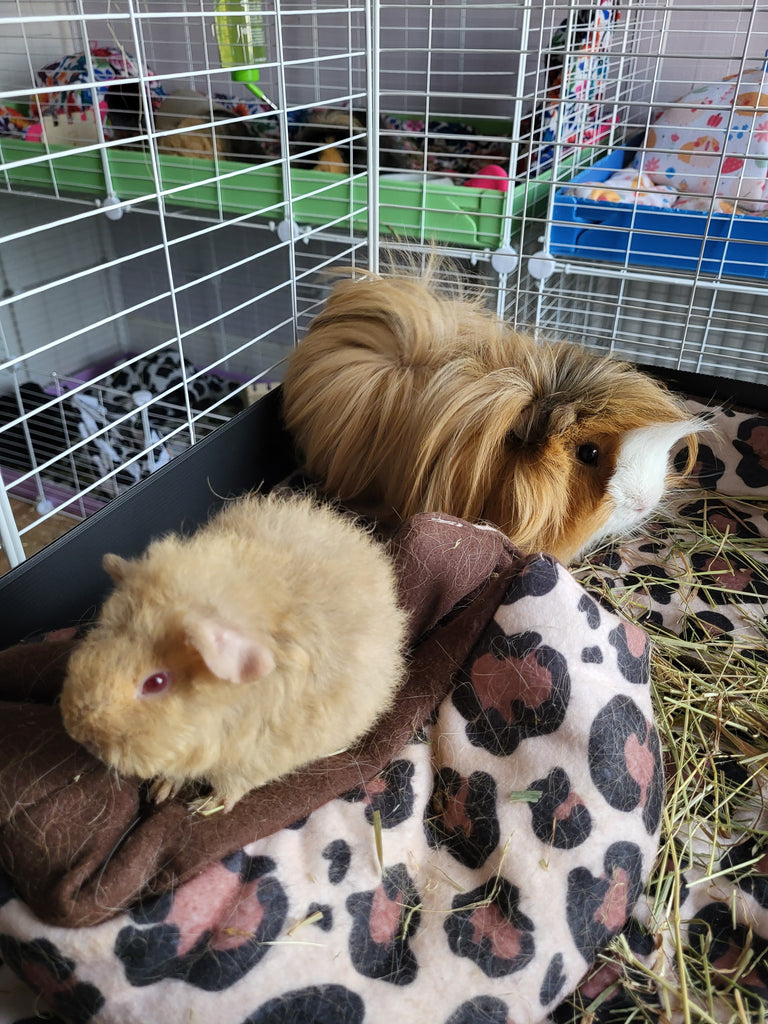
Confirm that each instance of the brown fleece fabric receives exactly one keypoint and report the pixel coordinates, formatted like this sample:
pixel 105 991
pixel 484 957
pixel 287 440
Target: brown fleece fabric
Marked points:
pixel 81 844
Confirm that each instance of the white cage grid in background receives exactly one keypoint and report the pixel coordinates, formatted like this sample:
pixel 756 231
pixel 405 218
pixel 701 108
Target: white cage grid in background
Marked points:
pixel 659 252
pixel 165 228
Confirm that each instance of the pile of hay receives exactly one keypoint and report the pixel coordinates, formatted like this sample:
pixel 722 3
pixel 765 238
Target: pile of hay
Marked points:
pixel 682 583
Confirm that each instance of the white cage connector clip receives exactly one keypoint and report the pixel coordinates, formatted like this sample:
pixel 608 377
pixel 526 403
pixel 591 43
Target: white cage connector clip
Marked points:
pixel 112 206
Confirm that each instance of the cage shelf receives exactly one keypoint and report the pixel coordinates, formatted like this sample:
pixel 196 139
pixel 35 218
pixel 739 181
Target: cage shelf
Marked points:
pixel 431 209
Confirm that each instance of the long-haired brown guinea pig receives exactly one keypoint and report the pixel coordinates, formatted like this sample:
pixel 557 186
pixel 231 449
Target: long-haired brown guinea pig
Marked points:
pixel 402 399
pixel 268 639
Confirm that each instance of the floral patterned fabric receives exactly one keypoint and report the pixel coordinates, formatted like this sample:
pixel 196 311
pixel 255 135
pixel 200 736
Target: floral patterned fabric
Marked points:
pixel 714 141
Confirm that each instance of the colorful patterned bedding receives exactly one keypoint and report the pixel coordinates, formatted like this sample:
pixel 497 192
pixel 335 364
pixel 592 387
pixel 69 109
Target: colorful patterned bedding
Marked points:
pixel 478 859
pixel 706 152
pixel 714 141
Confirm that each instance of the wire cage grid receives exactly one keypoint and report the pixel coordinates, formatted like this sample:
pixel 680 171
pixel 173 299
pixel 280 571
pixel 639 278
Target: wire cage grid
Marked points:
pixel 155 207
pixel 656 252
pixel 126 247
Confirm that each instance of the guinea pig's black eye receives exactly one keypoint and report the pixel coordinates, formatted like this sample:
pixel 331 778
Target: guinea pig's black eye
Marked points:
pixel 155 683
pixel 588 453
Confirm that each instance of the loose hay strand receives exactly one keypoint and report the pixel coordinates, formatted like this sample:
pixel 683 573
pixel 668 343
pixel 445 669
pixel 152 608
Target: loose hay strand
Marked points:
pixel 378 839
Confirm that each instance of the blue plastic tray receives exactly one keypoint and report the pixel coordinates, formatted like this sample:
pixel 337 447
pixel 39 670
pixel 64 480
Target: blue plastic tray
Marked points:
pixel 654 237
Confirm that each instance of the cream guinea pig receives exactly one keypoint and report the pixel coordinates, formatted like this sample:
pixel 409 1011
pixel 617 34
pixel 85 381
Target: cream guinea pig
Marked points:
pixel 268 639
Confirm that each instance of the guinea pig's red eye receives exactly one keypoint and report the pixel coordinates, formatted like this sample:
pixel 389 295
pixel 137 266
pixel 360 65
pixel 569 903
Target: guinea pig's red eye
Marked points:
pixel 588 453
pixel 155 683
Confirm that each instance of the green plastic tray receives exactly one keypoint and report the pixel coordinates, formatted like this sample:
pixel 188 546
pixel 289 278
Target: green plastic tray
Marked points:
pixel 430 212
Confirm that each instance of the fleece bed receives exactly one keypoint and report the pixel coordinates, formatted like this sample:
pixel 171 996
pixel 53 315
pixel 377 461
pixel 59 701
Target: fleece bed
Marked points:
pixel 516 841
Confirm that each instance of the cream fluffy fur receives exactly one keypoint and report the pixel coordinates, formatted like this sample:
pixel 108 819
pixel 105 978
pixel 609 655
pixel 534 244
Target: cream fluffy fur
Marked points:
pixel 279 626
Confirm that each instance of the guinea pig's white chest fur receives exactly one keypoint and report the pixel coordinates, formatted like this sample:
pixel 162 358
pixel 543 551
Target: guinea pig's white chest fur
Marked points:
pixel 640 475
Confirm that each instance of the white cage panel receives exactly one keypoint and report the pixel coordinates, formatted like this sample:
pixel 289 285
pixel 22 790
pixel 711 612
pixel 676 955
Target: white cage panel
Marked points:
pixel 660 322
pixel 154 270
pixel 495 95
pixel 660 248
pixel 165 222
pixel 54 285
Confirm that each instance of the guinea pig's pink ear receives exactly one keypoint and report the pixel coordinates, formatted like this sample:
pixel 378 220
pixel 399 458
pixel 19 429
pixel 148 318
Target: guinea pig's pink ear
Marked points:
pixel 229 653
pixel 116 566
